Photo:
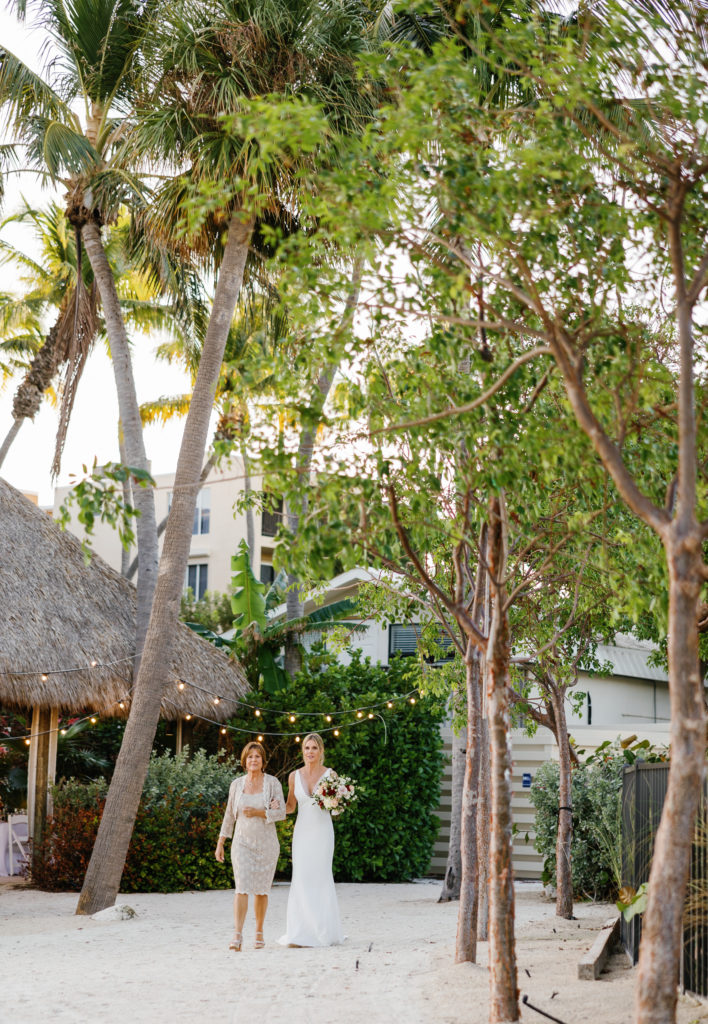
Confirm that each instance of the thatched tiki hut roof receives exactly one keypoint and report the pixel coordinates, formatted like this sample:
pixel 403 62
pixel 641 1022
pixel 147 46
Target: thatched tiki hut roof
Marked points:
pixel 61 615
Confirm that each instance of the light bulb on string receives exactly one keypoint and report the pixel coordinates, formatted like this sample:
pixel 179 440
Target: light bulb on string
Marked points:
pixel 370 715
pixel 336 732
pixel 93 720
pixel 63 732
pixel 121 704
pixel 257 712
pixel 216 700
pixel 27 743
pixel 412 700
pixel 180 685
pixel 328 718
pixel 44 677
pixel 188 718
pixel 360 714
pixel 223 732
pixel 297 739
pixel 260 739
pixel 94 663
pixel 389 703
pixel 292 718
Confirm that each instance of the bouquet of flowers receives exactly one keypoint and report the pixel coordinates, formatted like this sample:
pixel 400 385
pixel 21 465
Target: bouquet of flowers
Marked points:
pixel 334 793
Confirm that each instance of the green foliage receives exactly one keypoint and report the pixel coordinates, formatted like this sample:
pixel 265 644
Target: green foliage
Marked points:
pixel 596 798
pixel 175 833
pixel 395 759
pixel 212 612
pixel 99 498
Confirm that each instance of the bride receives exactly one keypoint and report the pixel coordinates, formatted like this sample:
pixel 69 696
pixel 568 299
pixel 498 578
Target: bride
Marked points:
pixel 313 913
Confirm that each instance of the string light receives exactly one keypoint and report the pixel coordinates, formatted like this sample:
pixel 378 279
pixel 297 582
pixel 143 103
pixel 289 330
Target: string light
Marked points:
pixel 121 704
pixel 260 739
pixel 389 704
pixel 216 700
pixel 412 700
pixel 336 732
pixel 360 714
pixel 27 743
pixel 328 718
pixel 188 718
pixel 258 712
pixel 223 732
pixel 292 718
pixel 370 715
pixel 63 732
pixel 44 677
pixel 94 663
pixel 73 668
pixel 297 739
pixel 180 685
pixel 93 720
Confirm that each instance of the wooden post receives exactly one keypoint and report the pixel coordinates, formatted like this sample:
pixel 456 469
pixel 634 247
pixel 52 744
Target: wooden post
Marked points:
pixel 178 737
pixel 42 740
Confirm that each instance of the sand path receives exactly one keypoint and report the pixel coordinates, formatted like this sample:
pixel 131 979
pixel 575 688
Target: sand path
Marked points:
pixel 171 964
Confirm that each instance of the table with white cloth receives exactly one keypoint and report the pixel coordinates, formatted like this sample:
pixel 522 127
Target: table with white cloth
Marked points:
pixel 18 860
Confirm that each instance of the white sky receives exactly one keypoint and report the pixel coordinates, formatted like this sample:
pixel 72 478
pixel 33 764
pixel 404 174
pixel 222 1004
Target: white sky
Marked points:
pixel 93 428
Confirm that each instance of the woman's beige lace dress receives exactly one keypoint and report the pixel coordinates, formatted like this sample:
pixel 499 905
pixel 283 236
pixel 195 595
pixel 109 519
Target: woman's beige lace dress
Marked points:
pixel 255 847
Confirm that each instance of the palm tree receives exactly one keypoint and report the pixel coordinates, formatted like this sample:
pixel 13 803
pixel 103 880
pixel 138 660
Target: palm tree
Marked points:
pixel 49 288
pixel 207 59
pixel 91 62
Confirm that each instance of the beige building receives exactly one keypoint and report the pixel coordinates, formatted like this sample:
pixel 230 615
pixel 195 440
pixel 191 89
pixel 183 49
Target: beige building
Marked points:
pixel 217 531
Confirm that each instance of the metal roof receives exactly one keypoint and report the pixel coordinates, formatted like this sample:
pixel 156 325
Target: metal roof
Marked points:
pixel 630 658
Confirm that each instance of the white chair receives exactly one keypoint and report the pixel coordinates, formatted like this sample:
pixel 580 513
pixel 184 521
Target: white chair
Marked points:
pixel 17 841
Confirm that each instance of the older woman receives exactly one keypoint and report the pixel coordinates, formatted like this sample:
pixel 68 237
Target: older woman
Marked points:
pixel 255 803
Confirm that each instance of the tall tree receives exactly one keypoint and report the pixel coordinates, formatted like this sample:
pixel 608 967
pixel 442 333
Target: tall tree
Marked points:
pixel 208 62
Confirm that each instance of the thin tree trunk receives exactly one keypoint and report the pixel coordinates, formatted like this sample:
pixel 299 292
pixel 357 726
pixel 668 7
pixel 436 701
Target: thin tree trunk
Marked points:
pixel 250 525
pixel 10 437
pixel 208 466
pixel 662 938
pixel 453 869
pixel 483 831
pixel 293 605
pixel 564 862
pixel 129 412
pixel 504 996
pixel 102 880
pixel 466 942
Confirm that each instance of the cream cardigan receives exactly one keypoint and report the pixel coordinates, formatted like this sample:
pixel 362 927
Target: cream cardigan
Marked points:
pixel 272 790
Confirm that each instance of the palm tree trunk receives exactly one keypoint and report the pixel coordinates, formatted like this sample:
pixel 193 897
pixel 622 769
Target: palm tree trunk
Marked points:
pixel 504 997
pixel 129 412
pixel 250 525
pixel 10 437
pixel 104 872
pixel 466 943
pixel 127 499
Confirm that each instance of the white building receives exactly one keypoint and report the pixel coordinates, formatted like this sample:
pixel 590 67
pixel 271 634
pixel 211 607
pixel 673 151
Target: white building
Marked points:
pixel 217 531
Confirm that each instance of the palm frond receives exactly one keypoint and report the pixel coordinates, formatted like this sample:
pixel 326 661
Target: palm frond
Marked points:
pixel 164 409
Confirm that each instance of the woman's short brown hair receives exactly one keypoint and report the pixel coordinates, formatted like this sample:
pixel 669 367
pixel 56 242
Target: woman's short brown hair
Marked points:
pixel 253 745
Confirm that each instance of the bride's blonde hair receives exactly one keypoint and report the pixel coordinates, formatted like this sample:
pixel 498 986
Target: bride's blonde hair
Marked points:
pixel 316 738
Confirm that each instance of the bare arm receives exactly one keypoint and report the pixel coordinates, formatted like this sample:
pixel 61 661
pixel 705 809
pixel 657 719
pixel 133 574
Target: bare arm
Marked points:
pixel 292 802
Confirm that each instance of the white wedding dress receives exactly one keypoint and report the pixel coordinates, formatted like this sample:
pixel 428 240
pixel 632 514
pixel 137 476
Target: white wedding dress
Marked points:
pixel 313 912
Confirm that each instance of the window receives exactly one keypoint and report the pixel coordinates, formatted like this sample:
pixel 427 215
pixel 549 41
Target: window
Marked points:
pixel 267 574
pixel 197 579
pixel 202 512
pixel 403 641
pixel 272 517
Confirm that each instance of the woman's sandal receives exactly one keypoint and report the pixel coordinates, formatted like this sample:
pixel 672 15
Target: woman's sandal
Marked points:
pixel 235 943
pixel 259 943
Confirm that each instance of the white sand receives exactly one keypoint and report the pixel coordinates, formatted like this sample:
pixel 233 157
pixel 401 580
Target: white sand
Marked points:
pixel 171 963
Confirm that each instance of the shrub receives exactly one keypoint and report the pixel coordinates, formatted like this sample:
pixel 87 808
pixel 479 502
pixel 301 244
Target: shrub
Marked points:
pixel 596 795
pixel 396 759
pixel 175 833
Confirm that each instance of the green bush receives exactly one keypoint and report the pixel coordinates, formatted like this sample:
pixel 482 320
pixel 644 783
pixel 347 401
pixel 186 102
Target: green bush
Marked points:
pixel 176 829
pixel 596 796
pixel 396 759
